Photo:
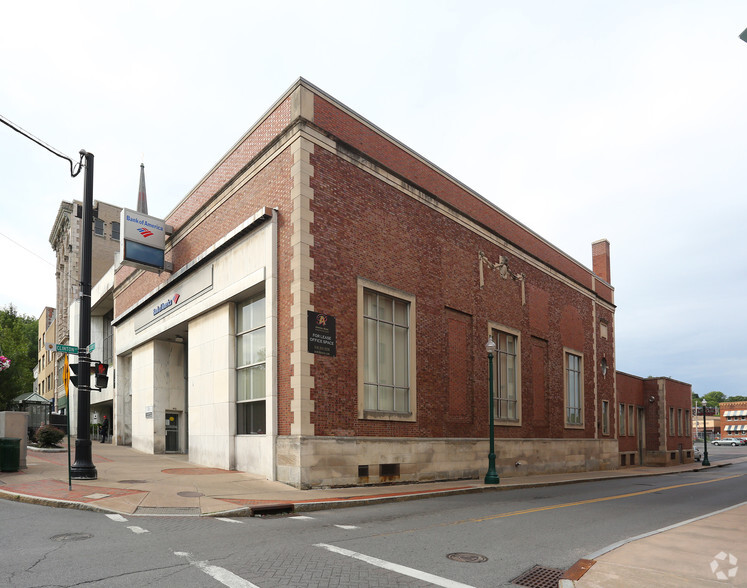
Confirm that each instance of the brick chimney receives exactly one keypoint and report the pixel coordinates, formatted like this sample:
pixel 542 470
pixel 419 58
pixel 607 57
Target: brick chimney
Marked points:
pixel 600 254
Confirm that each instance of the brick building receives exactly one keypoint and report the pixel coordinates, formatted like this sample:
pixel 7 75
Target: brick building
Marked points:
pixel 326 319
pixel 733 419
pixel 654 420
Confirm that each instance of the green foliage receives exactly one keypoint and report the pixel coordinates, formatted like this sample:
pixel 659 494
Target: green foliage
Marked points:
pixel 18 342
pixel 714 398
pixel 48 436
pixel 736 398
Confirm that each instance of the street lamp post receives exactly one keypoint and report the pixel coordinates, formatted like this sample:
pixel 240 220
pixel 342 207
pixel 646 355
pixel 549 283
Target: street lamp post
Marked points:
pixel 705 461
pixel 492 476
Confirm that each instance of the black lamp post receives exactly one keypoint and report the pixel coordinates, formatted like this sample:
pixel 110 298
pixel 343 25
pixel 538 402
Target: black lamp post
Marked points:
pixel 705 461
pixel 492 476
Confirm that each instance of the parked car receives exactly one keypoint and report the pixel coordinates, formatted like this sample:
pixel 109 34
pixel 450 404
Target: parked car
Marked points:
pixel 733 441
pixel 696 453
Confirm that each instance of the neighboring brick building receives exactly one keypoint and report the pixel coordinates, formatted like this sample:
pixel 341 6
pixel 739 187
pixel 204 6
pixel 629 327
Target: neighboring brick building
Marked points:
pixel 318 219
pixel 733 419
pixel 654 420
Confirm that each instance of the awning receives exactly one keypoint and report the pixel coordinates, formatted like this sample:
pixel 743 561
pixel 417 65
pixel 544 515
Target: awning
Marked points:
pixel 730 428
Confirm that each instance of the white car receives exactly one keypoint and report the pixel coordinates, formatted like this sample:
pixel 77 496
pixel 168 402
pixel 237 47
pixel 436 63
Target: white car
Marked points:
pixel 696 453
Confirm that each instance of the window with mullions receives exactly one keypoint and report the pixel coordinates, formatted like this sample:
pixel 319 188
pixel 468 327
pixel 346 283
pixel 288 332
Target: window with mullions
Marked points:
pixel 251 351
pixel 573 390
pixel 505 382
pixel 386 364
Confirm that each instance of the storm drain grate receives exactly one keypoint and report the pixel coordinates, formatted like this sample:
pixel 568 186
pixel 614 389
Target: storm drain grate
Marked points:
pixel 539 577
pixel 160 510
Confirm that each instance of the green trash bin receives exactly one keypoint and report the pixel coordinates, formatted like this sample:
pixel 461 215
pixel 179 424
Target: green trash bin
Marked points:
pixel 10 454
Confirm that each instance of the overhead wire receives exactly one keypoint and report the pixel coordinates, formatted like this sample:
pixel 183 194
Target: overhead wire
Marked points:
pixel 74 167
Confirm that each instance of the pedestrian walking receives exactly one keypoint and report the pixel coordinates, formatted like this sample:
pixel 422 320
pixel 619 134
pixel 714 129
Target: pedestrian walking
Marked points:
pixel 104 429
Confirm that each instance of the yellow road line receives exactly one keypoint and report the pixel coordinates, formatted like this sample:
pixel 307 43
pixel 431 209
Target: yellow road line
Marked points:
pixel 592 500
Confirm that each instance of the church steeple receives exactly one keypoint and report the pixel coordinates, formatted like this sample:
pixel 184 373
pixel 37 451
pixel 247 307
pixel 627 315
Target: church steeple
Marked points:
pixel 142 201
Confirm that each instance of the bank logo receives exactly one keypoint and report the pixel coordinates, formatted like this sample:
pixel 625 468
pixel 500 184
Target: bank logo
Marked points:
pixel 145 232
pixel 164 305
pixel 724 566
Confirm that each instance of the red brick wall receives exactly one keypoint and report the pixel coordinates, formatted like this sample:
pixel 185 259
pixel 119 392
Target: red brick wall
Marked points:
pixel 365 228
pixel 392 156
pixel 235 213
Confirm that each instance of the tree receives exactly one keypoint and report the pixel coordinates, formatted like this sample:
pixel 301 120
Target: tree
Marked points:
pixel 736 399
pixel 18 342
pixel 715 398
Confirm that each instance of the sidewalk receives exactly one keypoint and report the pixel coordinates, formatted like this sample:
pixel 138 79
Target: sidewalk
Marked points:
pixel 134 483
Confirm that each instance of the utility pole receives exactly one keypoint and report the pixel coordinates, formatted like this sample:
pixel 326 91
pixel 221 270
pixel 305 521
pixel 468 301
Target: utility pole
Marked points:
pixel 83 468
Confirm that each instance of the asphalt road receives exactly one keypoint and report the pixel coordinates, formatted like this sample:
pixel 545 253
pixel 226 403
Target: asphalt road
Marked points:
pixel 400 544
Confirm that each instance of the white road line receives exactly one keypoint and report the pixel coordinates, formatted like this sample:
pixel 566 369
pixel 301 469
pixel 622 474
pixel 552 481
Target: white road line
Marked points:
pixel 347 527
pixel 301 518
pixel 117 518
pixel 138 530
pixel 217 573
pixel 225 520
pixel 413 573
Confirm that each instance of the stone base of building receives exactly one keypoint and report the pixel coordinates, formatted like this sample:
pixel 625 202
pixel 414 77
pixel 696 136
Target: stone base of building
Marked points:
pixel 313 462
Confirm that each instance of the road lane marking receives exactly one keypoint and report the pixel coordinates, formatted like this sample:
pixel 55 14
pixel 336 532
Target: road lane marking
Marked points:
pixel 117 518
pixel 138 530
pixel 593 500
pixel 346 527
pixel 393 567
pixel 300 518
pixel 222 575
pixel 225 520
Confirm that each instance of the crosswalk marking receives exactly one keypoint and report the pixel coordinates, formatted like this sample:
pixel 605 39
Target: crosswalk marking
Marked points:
pixel 387 565
pixel 117 518
pixel 222 575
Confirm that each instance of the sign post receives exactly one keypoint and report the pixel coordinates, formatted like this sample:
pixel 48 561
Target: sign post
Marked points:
pixel 66 381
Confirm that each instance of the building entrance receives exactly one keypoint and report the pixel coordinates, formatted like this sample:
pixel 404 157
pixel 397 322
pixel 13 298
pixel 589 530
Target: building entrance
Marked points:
pixel 172 432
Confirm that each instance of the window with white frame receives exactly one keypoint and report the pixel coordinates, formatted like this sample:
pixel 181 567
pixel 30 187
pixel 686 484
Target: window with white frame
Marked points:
pixel 574 392
pixel 386 353
pixel 671 421
pixel 621 425
pixel 251 352
pixel 688 424
pixel 505 381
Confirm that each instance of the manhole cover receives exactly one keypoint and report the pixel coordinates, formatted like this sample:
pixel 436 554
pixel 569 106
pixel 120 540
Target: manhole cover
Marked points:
pixel 190 494
pixel 71 537
pixel 467 557
pixel 132 482
pixel 539 577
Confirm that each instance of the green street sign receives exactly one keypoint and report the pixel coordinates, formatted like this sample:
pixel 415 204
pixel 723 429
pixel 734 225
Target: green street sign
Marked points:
pixel 91 347
pixel 66 349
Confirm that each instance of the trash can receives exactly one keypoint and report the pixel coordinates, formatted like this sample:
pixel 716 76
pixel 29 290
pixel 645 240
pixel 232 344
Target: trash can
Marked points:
pixel 10 454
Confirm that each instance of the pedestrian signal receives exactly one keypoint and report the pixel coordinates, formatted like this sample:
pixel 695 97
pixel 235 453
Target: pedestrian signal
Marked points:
pixel 102 380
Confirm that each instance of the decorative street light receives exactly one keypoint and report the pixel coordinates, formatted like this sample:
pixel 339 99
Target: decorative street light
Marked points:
pixel 492 476
pixel 705 461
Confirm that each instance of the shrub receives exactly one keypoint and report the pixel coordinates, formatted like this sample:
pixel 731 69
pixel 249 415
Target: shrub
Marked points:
pixel 48 436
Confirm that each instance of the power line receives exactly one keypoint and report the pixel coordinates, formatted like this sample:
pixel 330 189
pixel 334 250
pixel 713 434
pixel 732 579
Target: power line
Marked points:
pixel 74 167
pixel 27 249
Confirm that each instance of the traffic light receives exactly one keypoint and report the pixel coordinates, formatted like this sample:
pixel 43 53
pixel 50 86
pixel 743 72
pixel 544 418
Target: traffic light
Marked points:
pixel 74 374
pixel 102 380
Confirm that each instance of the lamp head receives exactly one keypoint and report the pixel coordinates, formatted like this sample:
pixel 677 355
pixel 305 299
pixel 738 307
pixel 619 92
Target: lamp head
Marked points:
pixel 490 345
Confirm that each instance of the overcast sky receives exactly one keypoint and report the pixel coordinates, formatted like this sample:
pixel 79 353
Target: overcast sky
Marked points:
pixel 583 120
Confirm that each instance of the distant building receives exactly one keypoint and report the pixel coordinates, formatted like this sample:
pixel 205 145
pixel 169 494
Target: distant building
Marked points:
pixel 733 419
pixel 45 384
pixel 65 239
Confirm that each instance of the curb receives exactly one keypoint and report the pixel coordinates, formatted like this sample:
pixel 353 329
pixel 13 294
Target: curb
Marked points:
pixel 343 502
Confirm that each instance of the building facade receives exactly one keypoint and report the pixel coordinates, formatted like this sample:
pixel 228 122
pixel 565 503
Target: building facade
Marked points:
pixel 65 239
pixel 654 421
pixel 326 319
pixel 45 383
pixel 733 419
